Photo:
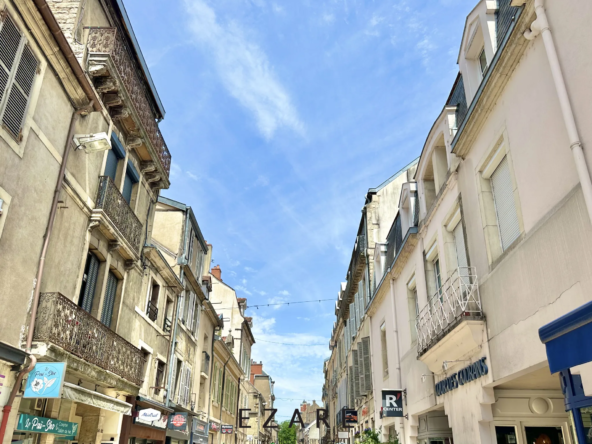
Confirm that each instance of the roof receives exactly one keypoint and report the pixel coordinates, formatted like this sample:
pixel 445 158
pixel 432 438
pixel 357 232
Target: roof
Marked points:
pixel 390 179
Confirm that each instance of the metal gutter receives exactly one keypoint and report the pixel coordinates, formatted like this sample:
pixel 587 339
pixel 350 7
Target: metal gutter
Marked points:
pixel 66 50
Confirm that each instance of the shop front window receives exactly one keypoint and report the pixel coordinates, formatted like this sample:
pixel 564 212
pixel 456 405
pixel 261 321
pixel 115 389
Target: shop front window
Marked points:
pixel 505 435
pixel 543 435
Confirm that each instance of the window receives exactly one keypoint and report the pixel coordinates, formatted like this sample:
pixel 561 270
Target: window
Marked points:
pixel 482 62
pixel 158 383
pixel 177 373
pixel 384 349
pixel 109 301
pixel 146 368
pixel 196 317
pixel 131 178
pixel 437 275
pixel 220 373
pixel 152 308
pixel 168 315
pixel 18 67
pixel 459 244
pixel 505 204
pixel 5 200
pixel 89 282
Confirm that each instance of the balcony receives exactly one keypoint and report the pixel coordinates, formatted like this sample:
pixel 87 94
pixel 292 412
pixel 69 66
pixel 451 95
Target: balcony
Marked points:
pixel 116 76
pixel 451 323
pixel 62 323
pixel 354 274
pixel 117 220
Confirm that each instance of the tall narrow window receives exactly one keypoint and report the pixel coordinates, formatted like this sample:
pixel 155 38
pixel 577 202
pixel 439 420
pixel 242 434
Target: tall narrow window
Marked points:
pixel 437 275
pixel 18 67
pixel 461 250
pixel 482 62
pixel 89 282
pixel 152 309
pixel 113 159
pixel 384 349
pixel 109 302
pixel 131 178
pixel 159 381
pixel 168 315
pixel 505 204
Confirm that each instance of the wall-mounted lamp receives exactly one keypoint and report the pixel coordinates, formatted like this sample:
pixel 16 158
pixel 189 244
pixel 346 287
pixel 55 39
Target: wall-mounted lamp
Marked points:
pixel 92 143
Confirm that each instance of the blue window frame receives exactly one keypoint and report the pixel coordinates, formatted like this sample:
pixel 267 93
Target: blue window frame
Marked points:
pixel 131 178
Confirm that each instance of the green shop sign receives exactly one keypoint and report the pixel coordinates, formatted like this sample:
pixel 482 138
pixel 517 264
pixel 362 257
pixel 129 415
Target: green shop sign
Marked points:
pixel 38 424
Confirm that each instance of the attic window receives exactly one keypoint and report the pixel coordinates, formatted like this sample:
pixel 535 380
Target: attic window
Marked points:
pixel 482 62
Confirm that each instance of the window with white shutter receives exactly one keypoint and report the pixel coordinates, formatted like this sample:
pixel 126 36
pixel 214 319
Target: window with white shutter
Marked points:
pixel 18 67
pixel 505 204
pixel 187 387
pixel 181 302
pixel 197 317
pixel 356 374
pixel 459 243
pixel 190 309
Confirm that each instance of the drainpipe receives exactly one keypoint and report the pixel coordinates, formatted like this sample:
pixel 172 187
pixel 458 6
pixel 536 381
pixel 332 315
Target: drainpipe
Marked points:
pixel 541 26
pixel 222 399
pixel 396 331
pixel 211 377
pixel 173 340
pixel 36 292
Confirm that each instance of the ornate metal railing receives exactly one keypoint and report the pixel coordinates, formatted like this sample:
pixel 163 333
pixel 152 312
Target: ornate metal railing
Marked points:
pixel 61 322
pixel 107 41
pixel 152 311
pixel 167 325
pixel 458 299
pixel 116 208
pixel 205 363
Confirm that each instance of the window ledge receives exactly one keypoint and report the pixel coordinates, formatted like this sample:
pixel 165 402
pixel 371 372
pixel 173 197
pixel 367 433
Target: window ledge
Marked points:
pixel 150 321
pixel 189 333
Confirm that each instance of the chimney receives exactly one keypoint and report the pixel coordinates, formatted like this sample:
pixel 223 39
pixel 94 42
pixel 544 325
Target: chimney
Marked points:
pixel 217 272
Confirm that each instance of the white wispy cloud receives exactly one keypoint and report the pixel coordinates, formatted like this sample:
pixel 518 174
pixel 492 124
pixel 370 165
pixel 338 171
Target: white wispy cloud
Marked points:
pixel 250 270
pixel 244 69
pixel 191 175
pixel 276 300
pixel 242 289
pixel 284 292
pixel 294 360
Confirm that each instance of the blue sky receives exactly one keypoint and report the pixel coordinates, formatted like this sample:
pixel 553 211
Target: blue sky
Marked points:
pixel 280 116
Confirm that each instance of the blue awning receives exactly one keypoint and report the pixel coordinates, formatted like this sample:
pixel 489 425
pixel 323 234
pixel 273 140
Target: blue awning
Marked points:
pixel 568 339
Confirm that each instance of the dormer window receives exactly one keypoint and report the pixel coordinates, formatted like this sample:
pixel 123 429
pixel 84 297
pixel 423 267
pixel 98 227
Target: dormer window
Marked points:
pixel 482 62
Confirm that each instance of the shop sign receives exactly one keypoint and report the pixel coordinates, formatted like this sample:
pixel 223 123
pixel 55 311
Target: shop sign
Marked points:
pixel 227 429
pixel 28 423
pixel 392 404
pixel 149 415
pixel 178 422
pixel 160 423
pixel 214 426
pixel 364 411
pixel 46 380
pixel 350 416
pixel 467 374
pixel 200 427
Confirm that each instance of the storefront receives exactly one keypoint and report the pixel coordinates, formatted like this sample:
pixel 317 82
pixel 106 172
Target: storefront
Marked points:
pixel 199 433
pixel 178 430
pixel 568 341
pixel 213 432
pixel 148 424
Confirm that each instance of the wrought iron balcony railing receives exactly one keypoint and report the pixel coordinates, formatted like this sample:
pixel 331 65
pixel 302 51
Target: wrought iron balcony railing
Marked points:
pixel 106 47
pixel 115 208
pixel 63 323
pixel 458 299
pixel 167 325
pixel 152 312
pixel 205 363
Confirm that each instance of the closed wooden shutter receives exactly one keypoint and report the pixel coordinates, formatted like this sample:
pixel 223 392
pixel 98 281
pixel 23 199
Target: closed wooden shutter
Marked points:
pixel 461 250
pixel 181 302
pixel 350 387
pixel 196 323
pixel 187 386
pixel 367 364
pixel 356 367
pixel 505 204
pixel 89 282
pixel 361 383
pixel 18 66
pixel 109 302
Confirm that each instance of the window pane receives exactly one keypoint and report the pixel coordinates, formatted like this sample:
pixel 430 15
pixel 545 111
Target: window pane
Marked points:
pixel 505 204
pixel 111 166
pixel 505 435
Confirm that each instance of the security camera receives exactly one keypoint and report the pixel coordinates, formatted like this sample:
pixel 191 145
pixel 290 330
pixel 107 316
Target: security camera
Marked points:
pixel 92 143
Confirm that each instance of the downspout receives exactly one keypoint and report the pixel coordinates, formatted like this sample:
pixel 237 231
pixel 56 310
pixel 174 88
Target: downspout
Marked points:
pixel 240 354
pixel 541 26
pixel 211 377
pixel 222 399
pixel 37 291
pixel 173 341
pixel 396 331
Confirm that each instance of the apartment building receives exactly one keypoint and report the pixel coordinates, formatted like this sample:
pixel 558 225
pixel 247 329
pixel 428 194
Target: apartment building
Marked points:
pixel 491 239
pixel 82 163
pixel 348 376
pixel 192 322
